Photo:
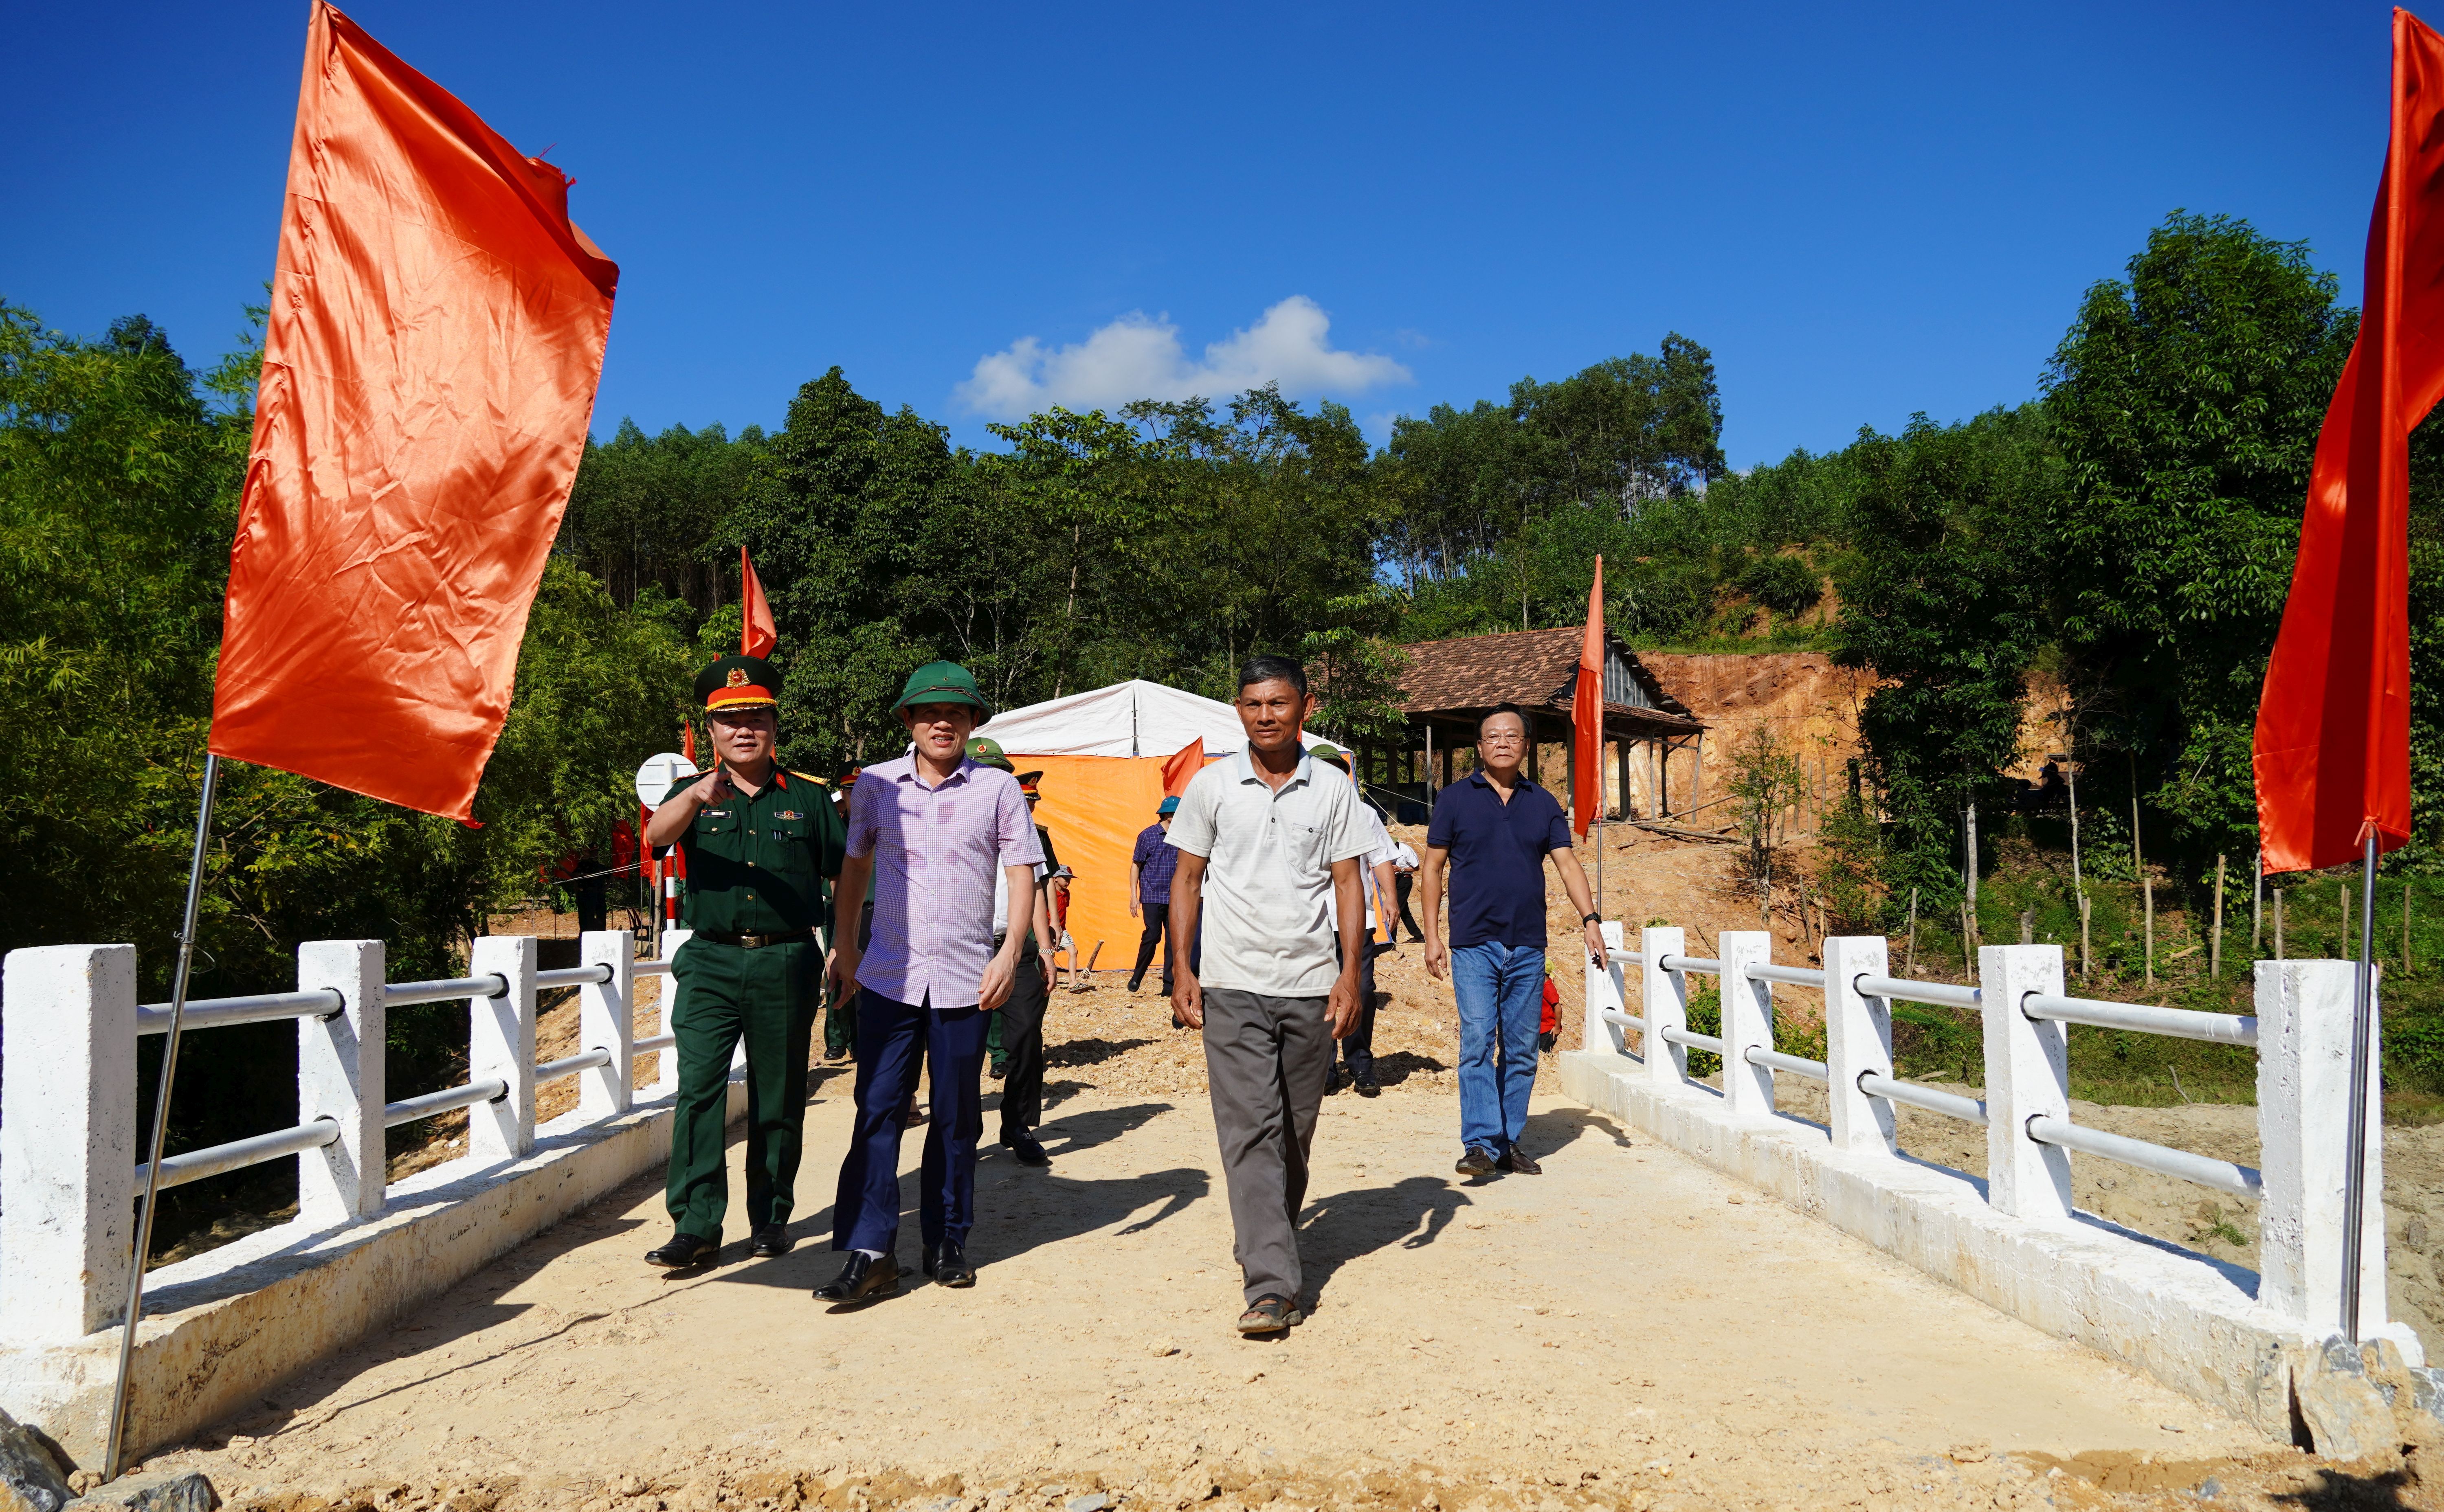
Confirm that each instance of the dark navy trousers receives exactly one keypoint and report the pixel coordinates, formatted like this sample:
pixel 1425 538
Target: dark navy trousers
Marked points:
pixel 895 1040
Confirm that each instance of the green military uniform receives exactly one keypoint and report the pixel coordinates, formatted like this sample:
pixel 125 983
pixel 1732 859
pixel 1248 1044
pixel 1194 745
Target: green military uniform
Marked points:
pixel 752 971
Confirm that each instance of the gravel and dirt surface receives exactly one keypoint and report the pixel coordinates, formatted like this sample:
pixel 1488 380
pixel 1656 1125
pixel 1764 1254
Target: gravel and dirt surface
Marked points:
pixel 1629 1331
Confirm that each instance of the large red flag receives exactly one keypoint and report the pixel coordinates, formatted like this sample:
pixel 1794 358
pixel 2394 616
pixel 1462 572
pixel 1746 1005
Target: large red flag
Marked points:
pixel 1182 765
pixel 437 333
pixel 1586 715
pixel 2333 721
pixel 757 634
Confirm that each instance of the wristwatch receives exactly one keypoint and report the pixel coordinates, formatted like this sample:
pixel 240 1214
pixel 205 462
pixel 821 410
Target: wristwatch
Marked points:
pixel 1591 918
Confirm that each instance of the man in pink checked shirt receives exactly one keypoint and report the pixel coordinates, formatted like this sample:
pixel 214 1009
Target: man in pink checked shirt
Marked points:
pixel 931 828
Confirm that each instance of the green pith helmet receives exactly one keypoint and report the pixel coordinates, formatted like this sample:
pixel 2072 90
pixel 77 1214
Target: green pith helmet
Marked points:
pixel 988 753
pixel 739 682
pixel 1330 753
pixel 942 682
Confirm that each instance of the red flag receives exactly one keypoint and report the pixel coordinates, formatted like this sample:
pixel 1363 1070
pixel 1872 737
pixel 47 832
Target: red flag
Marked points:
pixel 1184 763
pixel 435 336
pixel 756 633
pixel 2332 753
pixel 687 734
pixel 1586 715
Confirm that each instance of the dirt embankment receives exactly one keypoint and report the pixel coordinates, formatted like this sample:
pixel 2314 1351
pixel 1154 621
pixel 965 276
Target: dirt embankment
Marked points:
pixel 1800 696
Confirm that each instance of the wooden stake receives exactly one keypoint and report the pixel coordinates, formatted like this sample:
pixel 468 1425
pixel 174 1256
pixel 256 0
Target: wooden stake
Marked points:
pixel 2343 891
pixel 1909 965
pixel 2405 927
pixel 2148 884
pixel 2278 924
pixel 2214 946
pixel 2083 934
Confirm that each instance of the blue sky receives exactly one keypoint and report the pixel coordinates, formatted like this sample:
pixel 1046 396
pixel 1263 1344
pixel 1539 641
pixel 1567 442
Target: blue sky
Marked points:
pixel 1862 211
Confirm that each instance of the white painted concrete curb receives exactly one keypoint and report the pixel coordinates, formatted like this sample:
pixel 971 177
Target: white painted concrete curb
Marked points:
pixel 223 1328
pixel 2190 1322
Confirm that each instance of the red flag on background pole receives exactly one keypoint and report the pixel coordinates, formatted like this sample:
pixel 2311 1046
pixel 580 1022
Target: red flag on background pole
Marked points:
pixel 1586 715
pixel 2332 753
pixel 756 633
pixel 429 371
pixel 1182 765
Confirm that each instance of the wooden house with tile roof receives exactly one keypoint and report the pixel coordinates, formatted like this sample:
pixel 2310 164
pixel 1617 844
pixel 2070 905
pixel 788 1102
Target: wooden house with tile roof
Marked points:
pixel 1449 684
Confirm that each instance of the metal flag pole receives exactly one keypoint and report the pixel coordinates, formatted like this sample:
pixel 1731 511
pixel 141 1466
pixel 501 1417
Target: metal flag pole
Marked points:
pixel 2355 1144
pixel 111 1465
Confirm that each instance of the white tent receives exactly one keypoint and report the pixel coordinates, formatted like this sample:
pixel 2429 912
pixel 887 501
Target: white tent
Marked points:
pixel 1134 718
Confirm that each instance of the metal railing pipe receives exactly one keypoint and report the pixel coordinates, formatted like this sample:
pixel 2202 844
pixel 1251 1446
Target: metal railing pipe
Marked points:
pixel 1944 993
pixel 2185 1023
pixel 655 1042
pixel 652 969
pixel 1627 958
pixel 257 1150
pixel 571 1065
pixel 1968 1110
pixel 1694 1041
pixel 574 976
pixel 1796 1065
pixel 408 1110
pixel 219 1013
pixel 1627 1021
pixel 2207 1171
pixel 491 984
pixel 1690 963
pixel 1798 976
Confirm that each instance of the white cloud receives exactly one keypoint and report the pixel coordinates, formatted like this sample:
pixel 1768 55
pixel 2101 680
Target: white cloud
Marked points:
pixel 1140 358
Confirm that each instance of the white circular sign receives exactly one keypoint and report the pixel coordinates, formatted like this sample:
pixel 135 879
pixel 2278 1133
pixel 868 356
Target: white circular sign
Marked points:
pixel 655 778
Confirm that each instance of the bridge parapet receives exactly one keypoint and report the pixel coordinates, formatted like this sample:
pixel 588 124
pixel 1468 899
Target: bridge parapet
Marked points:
pixel 2243 1342
pixel 222 1326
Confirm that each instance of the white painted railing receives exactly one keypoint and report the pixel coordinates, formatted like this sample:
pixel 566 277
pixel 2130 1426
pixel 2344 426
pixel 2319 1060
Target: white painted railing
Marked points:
pixel 68 1177
pixel 2300 1033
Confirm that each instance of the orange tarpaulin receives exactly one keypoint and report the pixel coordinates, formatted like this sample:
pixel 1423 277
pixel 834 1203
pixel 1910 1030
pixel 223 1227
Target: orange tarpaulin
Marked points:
pixel 1095 805
pixel 435 336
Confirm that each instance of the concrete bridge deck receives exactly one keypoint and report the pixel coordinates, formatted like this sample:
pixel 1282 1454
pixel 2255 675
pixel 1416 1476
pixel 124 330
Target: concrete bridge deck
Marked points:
pixel 1630 1330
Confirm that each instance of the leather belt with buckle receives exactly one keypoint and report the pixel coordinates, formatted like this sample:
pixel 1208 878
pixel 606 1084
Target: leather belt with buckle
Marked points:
pixel 756 942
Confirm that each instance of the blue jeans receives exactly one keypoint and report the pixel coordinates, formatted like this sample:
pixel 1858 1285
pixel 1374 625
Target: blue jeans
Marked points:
pixel 1501 993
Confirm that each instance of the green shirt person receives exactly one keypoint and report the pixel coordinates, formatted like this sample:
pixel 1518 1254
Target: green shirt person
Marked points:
pixel 760 841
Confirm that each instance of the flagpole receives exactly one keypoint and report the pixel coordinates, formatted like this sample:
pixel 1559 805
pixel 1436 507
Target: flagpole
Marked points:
pixel 2355 1143
pixel 111 1465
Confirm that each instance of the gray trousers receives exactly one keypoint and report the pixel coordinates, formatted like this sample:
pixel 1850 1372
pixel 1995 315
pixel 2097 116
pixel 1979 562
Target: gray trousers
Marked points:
pixel 1265 1063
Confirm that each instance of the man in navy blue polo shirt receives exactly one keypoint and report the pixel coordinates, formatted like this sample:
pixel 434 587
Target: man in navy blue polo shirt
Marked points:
pixel 1493 829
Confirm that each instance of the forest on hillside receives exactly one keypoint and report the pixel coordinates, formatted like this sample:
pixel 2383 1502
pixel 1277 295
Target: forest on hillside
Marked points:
pixel 2127 533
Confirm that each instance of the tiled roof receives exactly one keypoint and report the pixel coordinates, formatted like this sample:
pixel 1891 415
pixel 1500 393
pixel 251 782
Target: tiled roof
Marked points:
pixel 1530 668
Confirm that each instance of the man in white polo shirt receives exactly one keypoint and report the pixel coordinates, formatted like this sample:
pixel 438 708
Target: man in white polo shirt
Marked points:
pixel 1269 863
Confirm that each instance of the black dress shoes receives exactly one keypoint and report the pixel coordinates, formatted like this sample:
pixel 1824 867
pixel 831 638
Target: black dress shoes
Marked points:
pixel 863 1280
pixel 947 1264
pixel 1366 1086
pixel 771 1241
pixel 1519 1162
pixel 684 1250
pixel 1476 1161
pixel 1026 1149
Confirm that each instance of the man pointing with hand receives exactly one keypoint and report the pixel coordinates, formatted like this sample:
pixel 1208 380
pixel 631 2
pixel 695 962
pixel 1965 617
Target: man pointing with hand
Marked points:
pixel 760 841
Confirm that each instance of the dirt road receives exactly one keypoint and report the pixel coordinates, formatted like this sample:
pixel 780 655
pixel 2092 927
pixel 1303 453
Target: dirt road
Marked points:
pixel 1627 1331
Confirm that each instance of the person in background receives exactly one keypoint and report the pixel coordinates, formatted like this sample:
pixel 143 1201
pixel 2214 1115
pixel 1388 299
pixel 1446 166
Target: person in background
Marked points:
pixel 840 1010
pixel 1020 1021
pixel 1151 865
pixel 1404 876
pixel 1493 831
pixel 934 829
pixel 759 842
pixel 1357 1048
pixel 1272 844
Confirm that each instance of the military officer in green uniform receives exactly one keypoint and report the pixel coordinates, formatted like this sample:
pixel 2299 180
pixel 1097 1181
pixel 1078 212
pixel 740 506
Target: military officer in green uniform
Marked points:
pixel 760 843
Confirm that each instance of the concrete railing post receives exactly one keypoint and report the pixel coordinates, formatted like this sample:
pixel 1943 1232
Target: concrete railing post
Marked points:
pixel 2304 1078
pixel 341 1077
pixel 1857 1039
pixel 606 1020
pixel 1664 1003
pixel 1748 1021
pixel 68 1140
pixel 2028 1074
pixel 666 1070
pixel 1604 995
pixel 500 1043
